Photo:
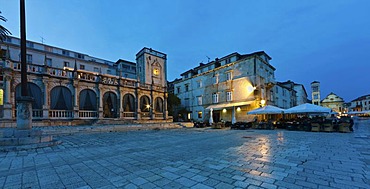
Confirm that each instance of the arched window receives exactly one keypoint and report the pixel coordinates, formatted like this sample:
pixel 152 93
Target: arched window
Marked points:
pixel 110 105
pixel 158 106
pixel 88 100
pixel 144 103
pixel 34 91
pixel 61 98
pixel 129 103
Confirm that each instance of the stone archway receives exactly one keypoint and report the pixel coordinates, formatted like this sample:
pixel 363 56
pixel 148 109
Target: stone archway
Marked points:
pixel 145 103
pixel 61 98
pixel 110 105
pixel 34 91
pixel 128 103
pixel 158 105
pixel 87 100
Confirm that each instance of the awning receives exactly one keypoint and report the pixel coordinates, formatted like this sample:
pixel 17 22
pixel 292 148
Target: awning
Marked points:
pixel 229 104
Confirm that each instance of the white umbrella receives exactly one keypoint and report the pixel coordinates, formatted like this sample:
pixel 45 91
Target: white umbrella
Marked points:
pixel 267 110
pixel 307 108
pixel 211 116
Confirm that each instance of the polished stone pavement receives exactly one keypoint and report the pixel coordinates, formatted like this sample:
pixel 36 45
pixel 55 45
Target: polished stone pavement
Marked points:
pixel 195 158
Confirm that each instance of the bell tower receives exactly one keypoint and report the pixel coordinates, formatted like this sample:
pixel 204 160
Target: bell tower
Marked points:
pixel 315 88
pixel 151 67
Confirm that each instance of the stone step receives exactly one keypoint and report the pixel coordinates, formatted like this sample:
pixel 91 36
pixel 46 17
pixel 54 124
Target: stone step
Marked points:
pixel 29 146
pixel 15 141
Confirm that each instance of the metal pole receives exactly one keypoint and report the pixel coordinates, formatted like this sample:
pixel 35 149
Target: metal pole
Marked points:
pixel 23 50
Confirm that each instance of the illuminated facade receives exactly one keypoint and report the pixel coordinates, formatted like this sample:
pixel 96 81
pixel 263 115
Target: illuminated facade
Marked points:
pixel 334 102
pixel 228 87
pixel 68 85
pixel 361 103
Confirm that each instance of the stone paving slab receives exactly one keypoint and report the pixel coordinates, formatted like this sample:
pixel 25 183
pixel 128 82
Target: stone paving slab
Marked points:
pixel 195 158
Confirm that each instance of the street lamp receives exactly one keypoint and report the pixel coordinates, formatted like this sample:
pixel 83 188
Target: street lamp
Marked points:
pixel 263 102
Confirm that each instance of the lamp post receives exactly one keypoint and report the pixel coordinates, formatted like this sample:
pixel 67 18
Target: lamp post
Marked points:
pixel 24 102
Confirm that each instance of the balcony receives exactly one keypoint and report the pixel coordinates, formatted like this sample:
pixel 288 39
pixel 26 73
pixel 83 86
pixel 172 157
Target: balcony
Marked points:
pixel 64 114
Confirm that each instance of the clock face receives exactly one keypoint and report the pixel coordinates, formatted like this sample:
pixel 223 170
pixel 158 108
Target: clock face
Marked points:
pixel 156 71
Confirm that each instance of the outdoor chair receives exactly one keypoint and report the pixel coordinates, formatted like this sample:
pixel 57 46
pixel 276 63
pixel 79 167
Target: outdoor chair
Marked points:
pixel 328 127
pixel 315 127
pixel 344 127
pixel 218 125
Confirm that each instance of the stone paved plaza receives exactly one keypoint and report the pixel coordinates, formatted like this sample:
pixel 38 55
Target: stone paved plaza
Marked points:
pixel 195 158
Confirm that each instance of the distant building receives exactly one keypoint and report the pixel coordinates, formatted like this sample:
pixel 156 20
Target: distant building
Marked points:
pixel 73 86
pixel 171 85
pixel 361 103
pixel 285 96
pixel 315 88
pixel 334 102
pixel 294 94
pixel 126 69
pixel 228 87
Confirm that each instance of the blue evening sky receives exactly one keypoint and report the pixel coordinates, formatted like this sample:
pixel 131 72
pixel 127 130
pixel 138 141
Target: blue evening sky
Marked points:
pixel 308 40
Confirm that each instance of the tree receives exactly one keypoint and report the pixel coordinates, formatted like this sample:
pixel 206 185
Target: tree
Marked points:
pixel 172 102
pixel 3 31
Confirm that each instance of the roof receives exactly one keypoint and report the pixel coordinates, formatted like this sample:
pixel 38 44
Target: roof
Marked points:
pixel 126 61
pixel 240 57
pixel 335 99
pixel 361 98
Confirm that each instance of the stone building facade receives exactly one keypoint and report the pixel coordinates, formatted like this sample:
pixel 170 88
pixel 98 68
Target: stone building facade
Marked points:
pixel 289 94
pixel 359 104
pixel 285 96
pixel 315 88
pixel 334 102
pixel 227 88
pixel 68 85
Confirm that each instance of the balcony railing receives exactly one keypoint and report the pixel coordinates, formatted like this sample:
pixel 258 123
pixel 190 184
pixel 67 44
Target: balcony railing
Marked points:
pixel 88 77
pixel 145 114
pixel 144 86
pixel 36 113
pixel 159 115
pixel 128 114
pixel 60 113
pixel 109 80
pixel 81 75
pixel 87 114
pixel 128 83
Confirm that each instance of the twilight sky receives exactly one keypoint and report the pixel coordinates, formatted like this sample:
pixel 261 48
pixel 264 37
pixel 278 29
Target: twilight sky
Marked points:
pixel 308 40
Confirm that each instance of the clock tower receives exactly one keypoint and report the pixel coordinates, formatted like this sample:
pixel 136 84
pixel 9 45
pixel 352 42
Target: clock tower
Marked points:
pixel 151 67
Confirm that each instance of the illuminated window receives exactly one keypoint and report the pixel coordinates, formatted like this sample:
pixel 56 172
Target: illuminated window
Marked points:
pixel 200 114
pixel 1 97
